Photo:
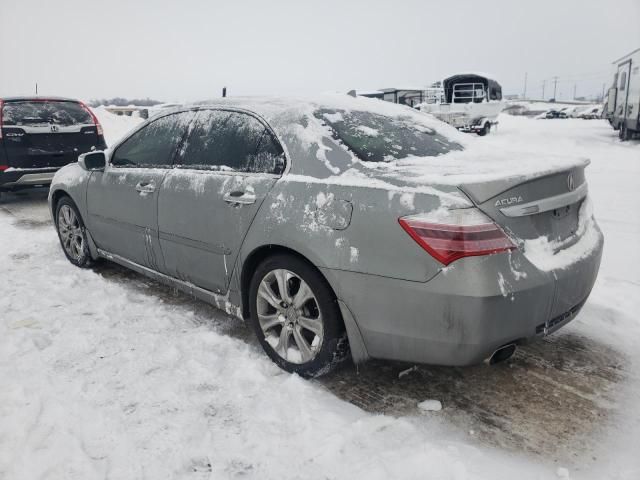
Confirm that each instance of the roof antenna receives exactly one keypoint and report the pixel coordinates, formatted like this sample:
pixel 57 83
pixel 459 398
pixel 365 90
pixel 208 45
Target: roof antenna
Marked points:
pixel 224 92
pixel 351 93
pixel 36 88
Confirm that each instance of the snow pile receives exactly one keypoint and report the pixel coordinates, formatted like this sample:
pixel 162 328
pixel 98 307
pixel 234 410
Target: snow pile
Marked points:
pixel 115 126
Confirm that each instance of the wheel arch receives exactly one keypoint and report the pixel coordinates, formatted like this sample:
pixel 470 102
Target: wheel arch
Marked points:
pixel 259 254
pixel 58 194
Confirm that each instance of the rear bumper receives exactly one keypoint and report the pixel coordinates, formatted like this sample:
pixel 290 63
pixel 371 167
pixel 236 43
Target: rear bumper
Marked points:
pixel 25 178
pixel 467 311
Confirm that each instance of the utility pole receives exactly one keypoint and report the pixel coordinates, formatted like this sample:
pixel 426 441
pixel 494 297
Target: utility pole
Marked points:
pixel 543 83
pixel 603 85
pixel 574 91
pixel 36 88
pixel 524 93
pixel 555 86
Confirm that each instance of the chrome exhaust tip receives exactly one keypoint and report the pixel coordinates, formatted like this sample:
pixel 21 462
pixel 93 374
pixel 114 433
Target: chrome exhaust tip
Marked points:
pixel 503 353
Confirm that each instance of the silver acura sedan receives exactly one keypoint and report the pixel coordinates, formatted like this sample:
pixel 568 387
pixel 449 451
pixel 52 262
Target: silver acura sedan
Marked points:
pixel 340 226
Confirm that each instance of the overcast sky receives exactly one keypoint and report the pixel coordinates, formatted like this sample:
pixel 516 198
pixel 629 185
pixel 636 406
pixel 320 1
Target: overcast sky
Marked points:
pixel 187 50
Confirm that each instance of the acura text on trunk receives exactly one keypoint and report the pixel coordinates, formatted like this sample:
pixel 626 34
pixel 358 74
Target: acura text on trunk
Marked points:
pixel 40 135
pixel 339 225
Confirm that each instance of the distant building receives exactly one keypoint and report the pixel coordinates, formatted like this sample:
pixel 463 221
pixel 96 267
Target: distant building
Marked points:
pixel 402 96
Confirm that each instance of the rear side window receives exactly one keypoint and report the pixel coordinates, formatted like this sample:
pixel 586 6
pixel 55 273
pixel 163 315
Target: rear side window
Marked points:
pixel 234 141
pixel 379 138
pixel 44 113
pixel 155 144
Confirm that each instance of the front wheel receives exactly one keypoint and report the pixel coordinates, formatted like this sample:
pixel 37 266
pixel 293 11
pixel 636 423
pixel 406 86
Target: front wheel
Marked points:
pixel 71 232
pixel 296 317
pixel 623 133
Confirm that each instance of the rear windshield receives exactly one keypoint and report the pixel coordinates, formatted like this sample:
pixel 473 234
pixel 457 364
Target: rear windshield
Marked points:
pixel 379 138
pixel 44 112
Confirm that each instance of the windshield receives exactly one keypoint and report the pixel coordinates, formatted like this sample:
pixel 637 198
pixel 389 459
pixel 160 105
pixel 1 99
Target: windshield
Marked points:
pixel 44 113
pixel 380 138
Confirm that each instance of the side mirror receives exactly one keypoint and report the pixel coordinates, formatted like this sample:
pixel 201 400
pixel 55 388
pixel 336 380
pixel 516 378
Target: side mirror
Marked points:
pixel 93 161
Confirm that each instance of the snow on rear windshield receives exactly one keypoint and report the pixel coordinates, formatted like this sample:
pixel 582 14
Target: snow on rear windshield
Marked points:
pixel 379 138
pixel 44 112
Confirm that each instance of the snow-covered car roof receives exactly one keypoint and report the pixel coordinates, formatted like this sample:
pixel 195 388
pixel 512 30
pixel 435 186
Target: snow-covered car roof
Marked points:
pixel 317 155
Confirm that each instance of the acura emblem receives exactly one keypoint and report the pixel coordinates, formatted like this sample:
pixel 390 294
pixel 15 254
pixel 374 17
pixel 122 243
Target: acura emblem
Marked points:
pixel 54 128
pixel 570 182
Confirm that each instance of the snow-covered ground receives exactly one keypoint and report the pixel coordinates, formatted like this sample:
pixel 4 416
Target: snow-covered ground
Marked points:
pixel 108 376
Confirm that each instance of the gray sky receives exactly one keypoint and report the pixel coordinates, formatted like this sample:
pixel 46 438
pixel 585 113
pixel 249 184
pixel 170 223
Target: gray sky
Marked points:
pixel 187 50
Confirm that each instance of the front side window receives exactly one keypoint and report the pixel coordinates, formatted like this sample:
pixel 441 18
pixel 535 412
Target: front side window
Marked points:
pixel 45 112
pixel 380 138
pixel 233 141
pixel 154 145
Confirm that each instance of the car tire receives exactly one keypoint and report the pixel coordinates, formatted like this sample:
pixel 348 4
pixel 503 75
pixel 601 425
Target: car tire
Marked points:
pixel 72 233
pixel 623 133
pixel 485 129
pixel 302 331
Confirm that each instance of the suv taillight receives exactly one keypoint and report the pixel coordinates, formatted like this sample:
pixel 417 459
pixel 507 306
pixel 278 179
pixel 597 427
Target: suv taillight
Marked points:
pixel 456 234
pixel 95 119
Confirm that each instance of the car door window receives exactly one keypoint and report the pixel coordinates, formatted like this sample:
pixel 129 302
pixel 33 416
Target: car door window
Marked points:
pixel 154 145
pixel 231 141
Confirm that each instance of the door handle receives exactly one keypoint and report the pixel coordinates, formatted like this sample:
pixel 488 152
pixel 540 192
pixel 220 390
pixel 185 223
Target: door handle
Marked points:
pixel 240 198
pixel 146 187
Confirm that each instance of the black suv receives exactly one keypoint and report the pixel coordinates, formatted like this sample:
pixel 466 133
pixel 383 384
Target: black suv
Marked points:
pixel 38 136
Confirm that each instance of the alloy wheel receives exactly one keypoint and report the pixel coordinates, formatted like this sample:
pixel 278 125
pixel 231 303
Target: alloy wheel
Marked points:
pixel 70 232
pixel 289 316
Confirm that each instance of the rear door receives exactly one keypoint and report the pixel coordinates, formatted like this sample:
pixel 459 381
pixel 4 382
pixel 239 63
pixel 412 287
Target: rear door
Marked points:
pixel 223 172
pixel 122 200
pixel 46 133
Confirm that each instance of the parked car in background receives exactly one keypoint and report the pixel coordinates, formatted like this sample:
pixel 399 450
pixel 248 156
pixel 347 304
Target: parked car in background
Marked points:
pixel 39 135
pixel 591 113
pixel 337 224
pixel 555 114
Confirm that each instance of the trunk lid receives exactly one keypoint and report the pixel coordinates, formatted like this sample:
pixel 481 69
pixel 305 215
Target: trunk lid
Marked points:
pixel 527 209
pixel 529 196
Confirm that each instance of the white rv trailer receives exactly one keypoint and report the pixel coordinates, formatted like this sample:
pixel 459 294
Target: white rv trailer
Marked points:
pixel 623 103
pixel 471 103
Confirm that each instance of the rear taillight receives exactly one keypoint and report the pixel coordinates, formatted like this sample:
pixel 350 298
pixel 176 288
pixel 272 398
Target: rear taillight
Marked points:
pixel 3 167
pixel 456 234
pixel 93 116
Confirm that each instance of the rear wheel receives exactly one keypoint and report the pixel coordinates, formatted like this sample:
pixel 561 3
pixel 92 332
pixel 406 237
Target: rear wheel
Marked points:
pixel 485 129
pixel 296 317
pixel 71 232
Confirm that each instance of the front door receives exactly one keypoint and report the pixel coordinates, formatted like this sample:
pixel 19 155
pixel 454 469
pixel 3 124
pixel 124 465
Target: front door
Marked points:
pixel 224 170
pixel 122 200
